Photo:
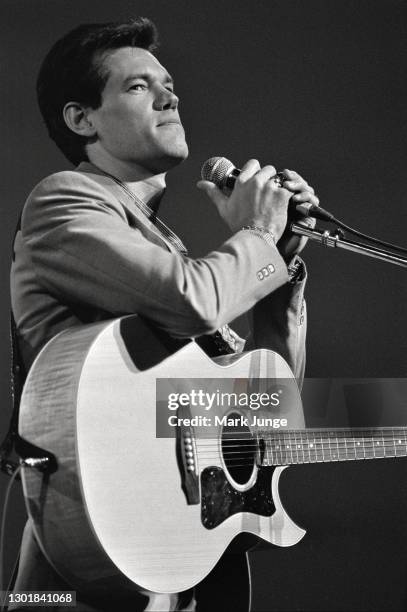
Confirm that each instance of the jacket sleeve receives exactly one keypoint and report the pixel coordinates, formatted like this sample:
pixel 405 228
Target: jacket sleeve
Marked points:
pixel 84 252
pixel 279 322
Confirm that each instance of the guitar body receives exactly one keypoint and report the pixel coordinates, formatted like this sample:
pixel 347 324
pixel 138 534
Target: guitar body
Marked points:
pixel 117 511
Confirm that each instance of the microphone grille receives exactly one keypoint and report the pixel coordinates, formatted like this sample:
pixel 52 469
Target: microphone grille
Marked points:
pixel 216 170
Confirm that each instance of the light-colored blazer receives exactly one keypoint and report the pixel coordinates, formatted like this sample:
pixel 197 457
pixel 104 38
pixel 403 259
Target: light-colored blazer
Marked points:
pixel 85 252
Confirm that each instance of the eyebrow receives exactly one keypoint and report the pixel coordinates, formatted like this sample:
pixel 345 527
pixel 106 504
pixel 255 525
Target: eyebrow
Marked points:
pixel 147 76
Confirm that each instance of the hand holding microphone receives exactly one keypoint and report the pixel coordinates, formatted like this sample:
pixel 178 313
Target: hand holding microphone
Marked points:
pixel 260 197
pixel 220 178
pixel 257 199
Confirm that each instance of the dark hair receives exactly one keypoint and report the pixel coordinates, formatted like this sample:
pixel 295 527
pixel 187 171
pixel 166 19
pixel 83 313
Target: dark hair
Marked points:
pixel 72 71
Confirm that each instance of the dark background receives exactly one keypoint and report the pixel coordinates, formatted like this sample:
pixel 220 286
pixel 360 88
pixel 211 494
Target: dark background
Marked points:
pixel 318 86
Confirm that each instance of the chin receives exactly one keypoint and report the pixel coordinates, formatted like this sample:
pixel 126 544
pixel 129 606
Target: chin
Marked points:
pixel 172 158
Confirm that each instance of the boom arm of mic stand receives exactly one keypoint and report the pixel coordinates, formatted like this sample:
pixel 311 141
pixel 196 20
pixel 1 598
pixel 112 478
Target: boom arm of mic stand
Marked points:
pixel 332 239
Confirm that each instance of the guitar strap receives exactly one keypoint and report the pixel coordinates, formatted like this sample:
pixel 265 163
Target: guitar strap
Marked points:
pixel 12 440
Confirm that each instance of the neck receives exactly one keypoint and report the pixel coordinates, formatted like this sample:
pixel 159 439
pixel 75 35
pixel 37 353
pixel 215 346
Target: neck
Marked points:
pixel 315 446
pixel 146 185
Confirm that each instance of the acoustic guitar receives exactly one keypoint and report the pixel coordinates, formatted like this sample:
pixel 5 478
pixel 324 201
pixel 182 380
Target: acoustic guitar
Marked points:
pixel 126 506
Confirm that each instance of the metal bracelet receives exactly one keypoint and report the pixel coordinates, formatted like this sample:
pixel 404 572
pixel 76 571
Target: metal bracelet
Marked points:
pixel 262 232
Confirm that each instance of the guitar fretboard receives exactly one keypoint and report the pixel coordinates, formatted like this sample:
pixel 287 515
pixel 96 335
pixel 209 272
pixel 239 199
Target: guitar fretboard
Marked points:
pixel 320 445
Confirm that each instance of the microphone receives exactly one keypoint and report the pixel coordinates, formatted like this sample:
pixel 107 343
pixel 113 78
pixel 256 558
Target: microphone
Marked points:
pixel 223 173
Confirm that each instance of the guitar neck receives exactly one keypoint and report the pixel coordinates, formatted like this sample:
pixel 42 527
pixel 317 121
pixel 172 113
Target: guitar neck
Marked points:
pixel 320 445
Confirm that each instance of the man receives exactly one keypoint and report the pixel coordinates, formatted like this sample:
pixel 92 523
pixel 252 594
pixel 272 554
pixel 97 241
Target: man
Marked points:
pixel 91 246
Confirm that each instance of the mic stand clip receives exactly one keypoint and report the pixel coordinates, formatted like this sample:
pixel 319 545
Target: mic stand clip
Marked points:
pixel 335 239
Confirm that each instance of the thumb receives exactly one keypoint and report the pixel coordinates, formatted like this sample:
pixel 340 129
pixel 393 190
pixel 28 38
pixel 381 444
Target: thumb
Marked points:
pixel 213 192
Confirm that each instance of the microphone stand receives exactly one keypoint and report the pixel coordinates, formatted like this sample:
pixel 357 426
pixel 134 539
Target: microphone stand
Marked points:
pixel 335 239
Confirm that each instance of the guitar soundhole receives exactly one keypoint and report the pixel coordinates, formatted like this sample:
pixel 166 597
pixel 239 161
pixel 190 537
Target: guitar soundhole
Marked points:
pixel 238 449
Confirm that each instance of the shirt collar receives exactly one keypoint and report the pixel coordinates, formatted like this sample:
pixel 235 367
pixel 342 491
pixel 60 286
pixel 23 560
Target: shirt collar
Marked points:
pixel 132 194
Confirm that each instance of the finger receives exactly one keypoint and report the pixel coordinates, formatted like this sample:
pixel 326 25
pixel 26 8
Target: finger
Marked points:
pixel 306 196
pixel 307 222
pixel 298 185
pixel 291 174
pixel 293 179
pixel 249 169
pixel 213 192
pixel 266 174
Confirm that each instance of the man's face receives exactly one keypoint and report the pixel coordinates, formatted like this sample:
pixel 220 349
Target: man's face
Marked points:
pixel 138 120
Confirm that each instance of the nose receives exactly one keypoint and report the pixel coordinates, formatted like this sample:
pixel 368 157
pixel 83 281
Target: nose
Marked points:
pixel 166 100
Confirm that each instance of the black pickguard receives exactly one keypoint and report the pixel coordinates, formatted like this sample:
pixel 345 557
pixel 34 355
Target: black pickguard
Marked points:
pixel 219 499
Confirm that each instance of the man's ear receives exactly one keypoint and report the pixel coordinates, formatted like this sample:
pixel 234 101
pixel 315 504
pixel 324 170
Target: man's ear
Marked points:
pixel 76 119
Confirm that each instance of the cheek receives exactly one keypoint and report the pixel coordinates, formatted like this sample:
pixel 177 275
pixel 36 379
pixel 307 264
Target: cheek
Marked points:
pixel 123 124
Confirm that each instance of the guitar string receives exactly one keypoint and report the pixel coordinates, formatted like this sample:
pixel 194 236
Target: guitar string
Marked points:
pixel 324 432
pixel 296 452
pixel 314 454
pixel 342 446
pixel 305 443
pixel 302 443
pixel 309 434
pixel 268 463
pixel 290 457
pixel 316 440
pixel 304 447
pixel 313 450
pixel 272 462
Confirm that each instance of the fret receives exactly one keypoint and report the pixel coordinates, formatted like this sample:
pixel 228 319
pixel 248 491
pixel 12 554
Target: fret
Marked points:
pixel 353 449
pixel 265 444
pixel 293 446
pixel 339 442
pixel 320 449
pixel 364 449
pixel 368 448
pixel 272 452
pixel 332 454
pixel 359 448
pixel 302 443
pixel 332 446
pixel 300 447
pixel 373 447
pixel 378 446
pixel 312 451
pixel 279 454
pixel 322 445
pixel 391 450
pixel 268 456
pixel 284 451
pixel 288 451
pixel 305 447
pixel 349 442
pixel 400 444
pixel 338 448
pixel 279 442
pixel 269 452
pixel 290 457
pixel 283 446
